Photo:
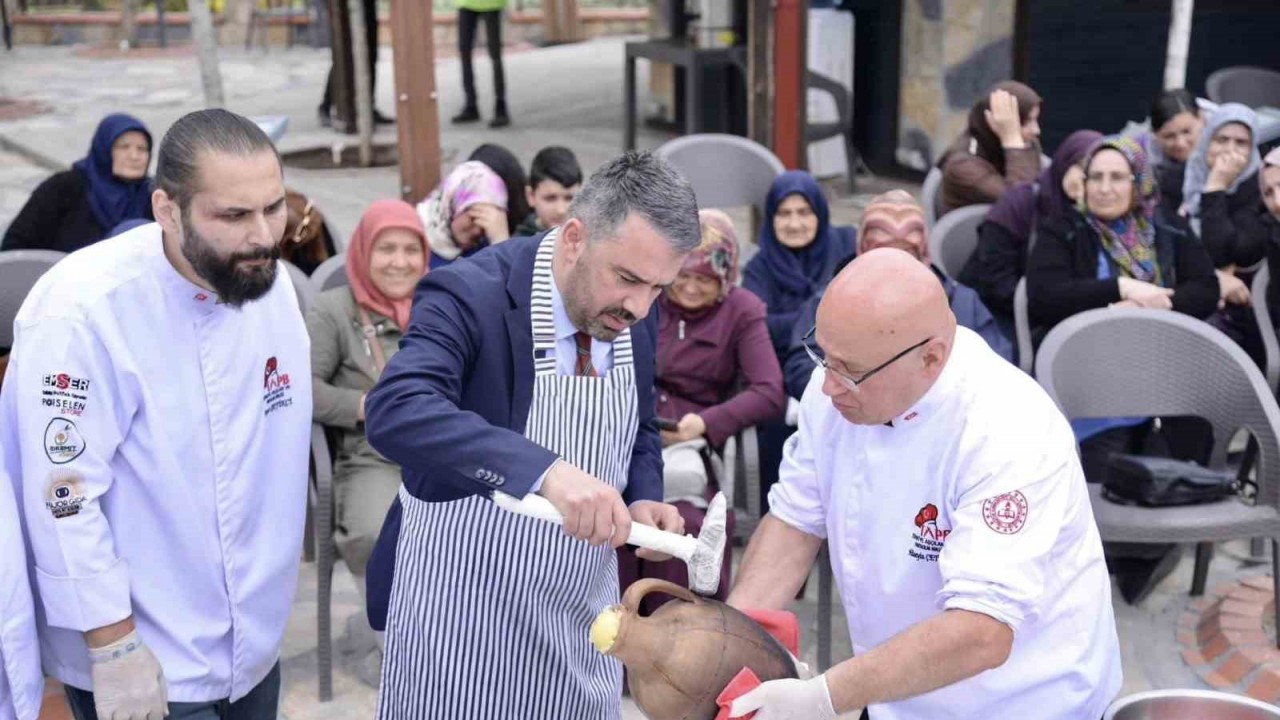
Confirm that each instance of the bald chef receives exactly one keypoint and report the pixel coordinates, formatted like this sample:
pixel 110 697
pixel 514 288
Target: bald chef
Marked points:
pixel 947 485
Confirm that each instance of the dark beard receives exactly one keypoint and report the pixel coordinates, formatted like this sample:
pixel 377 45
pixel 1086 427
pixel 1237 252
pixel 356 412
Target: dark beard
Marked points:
pixel 234 285
pixel 577 300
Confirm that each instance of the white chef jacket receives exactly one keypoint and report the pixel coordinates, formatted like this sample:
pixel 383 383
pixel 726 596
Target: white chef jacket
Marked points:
pixel 973 499
pixel 21 682
pixel 162 452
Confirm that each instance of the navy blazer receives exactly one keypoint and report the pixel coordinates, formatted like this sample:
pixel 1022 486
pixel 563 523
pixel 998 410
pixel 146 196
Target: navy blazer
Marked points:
pixel 451 405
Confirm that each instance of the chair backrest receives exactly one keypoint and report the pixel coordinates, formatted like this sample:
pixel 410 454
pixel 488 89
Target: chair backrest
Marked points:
pixel 929 195
pixel 330 274
pixel 1252 86
pixel 1266 327
pixel 19 271
pixel 954 238
pixel 1122 362
pixel 301 286
pixel 1022 329
pixel 724 170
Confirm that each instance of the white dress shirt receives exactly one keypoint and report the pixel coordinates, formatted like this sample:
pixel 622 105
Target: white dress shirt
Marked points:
pixel 21 682
pixel 974 499
pixel 159 443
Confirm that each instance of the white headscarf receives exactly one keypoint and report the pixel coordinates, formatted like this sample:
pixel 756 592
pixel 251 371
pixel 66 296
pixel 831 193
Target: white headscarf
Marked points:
pixel 1198 165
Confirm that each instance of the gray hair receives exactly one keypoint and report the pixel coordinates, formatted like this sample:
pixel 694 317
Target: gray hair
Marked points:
pixel 647 185
pixel 214 130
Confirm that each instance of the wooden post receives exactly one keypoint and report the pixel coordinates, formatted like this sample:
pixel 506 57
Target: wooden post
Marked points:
pixel 128 22
pixel 417 104
pixel 363 84
pixel 789 92
pixel 1175 64
pixel 344 106
pixel 758 75
pixel 206 51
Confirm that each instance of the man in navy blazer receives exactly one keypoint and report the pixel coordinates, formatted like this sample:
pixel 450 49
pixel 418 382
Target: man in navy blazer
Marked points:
pixel 453 405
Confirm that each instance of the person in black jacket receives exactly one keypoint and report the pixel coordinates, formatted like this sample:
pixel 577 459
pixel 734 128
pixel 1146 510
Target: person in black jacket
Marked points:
pixel 1122 250
pixel 1005 237
pixel 1269 181
pixel 78 207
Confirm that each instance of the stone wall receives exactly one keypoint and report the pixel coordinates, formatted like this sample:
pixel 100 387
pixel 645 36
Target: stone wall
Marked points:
pixel 952 52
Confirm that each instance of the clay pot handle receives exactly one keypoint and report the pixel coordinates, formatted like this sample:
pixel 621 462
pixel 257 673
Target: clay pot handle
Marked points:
pixel 631 599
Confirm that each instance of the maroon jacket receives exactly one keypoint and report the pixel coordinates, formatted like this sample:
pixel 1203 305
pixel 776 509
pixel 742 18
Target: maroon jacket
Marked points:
pixel 718 363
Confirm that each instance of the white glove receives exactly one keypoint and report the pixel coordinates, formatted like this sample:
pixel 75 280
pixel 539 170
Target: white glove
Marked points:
pixel 787 700
pixel 128 683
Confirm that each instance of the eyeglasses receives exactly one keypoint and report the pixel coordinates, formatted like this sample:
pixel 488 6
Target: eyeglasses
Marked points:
pixel 1117 179
pixel 851 383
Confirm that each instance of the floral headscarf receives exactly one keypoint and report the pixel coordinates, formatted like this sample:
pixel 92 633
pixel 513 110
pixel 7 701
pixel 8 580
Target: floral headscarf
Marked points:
pixel 717 256
pixel 1131 239
pixel 471 183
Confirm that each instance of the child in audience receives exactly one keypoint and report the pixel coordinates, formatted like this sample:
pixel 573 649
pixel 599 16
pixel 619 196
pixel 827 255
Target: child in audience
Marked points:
pixel 554 180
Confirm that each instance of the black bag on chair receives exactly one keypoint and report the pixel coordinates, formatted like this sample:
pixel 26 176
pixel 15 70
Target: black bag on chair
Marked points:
pixel 1162 482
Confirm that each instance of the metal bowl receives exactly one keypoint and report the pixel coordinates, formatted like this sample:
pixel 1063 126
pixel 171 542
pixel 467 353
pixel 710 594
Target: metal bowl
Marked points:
pixel 1189 705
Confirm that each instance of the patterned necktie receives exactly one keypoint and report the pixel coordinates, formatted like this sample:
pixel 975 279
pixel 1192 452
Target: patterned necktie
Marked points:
pixel 583 367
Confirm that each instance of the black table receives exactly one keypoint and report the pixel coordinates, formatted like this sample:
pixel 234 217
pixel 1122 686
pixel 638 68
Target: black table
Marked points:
pixel 679 53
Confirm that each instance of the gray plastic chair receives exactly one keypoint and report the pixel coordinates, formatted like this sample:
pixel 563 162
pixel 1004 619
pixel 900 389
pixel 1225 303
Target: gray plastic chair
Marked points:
pixel 301 286
pixel 741 486
pixel 1022 329
pixel 955 237
pixel 1266 327
pixel 1252 86
pixel 929 195
pixel 841 127
pixel 724 170
pixel 330 274
pixel 1117 362
pixel 19 271
pixel 321 494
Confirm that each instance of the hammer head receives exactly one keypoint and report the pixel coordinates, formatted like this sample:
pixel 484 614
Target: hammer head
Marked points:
pixel 704 566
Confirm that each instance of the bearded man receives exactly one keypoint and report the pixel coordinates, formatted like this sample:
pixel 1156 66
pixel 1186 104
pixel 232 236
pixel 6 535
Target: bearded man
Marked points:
pixel 157 416
pixel 527 368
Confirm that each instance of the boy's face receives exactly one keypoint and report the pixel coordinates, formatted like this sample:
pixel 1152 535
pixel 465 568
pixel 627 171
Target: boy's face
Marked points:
pixel 550 201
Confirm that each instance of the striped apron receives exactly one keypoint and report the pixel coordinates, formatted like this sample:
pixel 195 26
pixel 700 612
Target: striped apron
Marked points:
pixel 490 611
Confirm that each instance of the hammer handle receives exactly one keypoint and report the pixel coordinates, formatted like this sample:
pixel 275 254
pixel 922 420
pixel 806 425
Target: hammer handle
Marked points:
pixel 645 536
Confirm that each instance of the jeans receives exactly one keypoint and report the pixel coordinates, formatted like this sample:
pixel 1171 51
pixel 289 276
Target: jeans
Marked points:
pixel 467 22
pixel 260 704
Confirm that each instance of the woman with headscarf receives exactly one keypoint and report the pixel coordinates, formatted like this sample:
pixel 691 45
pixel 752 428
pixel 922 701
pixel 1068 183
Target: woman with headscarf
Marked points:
pixel 503 162
pixel 1176 124
pixel 1220 193
pixel 1119 252
pixel 466 214
pixel 78 207
pixel 354 330
pixel 1269 185
pixel 798 251
pixel 999 149
pixel 1005 237
pixel 716 375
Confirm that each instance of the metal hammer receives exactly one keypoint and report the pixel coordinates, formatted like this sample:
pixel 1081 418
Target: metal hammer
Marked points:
pixel 703 554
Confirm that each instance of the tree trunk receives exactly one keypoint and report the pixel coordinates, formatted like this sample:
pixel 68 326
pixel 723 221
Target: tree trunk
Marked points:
pixel 128 23
pixel 206 52
pixel 417 103
pixel 363 89
pixel 1175 64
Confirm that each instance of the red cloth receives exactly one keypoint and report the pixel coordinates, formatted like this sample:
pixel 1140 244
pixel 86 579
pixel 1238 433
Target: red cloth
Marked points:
pixel 741 684
pixel 785 628
pixel 782 625
pixel 381 215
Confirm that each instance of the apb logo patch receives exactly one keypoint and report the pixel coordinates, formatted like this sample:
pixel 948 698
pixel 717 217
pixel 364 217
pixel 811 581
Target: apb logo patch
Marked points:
pixel 276 389
pixel 62 441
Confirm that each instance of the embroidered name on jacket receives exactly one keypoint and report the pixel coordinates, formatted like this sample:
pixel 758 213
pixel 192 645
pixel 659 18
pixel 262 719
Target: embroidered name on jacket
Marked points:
pixel 276 390
pixel 65 394
pixel 927 538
